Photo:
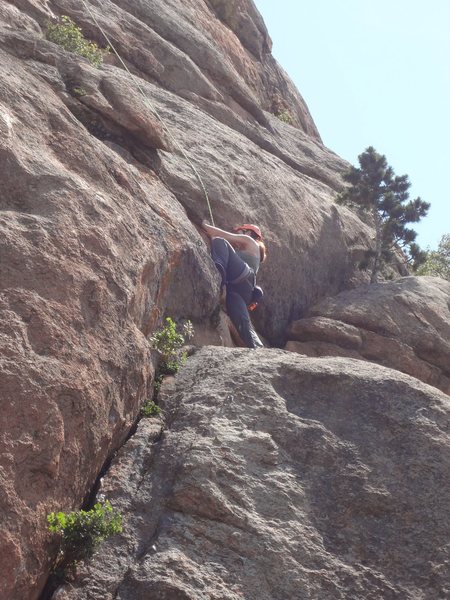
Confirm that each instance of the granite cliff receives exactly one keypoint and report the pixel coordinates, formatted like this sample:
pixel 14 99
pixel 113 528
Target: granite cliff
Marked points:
pixel 99 211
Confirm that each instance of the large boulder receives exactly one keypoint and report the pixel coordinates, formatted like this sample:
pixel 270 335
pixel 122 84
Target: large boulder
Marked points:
pixel 280 477
pixel 402 324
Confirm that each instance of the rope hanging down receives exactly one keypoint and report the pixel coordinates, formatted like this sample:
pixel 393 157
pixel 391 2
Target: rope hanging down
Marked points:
pixel 150 107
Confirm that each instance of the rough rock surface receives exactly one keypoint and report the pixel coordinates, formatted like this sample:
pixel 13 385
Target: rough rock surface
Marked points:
pixel 402 324
pixel 98 236
pixel 281 477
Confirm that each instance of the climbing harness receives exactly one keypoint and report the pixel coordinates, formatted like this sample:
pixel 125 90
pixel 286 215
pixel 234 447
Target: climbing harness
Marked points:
pixel 151 107
pixel 245 273
pixel 257 293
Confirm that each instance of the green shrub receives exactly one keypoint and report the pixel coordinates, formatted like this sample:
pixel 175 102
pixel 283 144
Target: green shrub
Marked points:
pixel 437 263
pixel 69 36
pixel 286 117
pixel 150 409
pixel 82 531
pixel 79 91
pixel 168 342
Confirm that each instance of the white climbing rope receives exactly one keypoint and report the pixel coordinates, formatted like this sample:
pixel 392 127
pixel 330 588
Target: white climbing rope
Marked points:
pixel 151 107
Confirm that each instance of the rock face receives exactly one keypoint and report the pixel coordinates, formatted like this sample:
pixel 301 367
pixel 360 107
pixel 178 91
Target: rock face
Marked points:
pixel 98 237
pixel 402 324
pixel 99 240
pixel 281 477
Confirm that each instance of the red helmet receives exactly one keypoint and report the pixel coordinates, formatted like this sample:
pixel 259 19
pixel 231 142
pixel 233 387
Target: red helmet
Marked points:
pixel 249 227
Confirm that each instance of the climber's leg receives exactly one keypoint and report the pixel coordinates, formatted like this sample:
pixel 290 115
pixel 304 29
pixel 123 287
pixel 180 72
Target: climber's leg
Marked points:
pixel 228 263
pixel 238 313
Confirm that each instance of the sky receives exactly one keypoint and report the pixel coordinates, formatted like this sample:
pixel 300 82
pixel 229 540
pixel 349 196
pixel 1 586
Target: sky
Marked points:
pixel 375 73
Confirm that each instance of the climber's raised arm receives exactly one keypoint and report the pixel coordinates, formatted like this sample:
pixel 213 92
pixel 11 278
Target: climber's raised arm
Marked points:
pixel 238 240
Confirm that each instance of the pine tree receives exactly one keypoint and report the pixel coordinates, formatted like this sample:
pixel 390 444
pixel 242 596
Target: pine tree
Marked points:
pixel 375 189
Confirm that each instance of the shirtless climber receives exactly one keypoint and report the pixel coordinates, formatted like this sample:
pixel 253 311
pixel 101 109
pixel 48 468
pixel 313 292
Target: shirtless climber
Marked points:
pixel 237 257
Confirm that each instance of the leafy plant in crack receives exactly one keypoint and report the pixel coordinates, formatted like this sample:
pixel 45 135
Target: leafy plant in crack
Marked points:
pixel 150 409
pixel 79 91
pixel 285 116
pixel 168 341
pixel 82 531
pixel 69 36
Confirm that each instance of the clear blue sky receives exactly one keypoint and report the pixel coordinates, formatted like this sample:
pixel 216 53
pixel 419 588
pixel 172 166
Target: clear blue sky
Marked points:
pixel 376 73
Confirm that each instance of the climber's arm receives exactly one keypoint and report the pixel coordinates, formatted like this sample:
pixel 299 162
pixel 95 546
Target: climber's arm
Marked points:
pixel 245 242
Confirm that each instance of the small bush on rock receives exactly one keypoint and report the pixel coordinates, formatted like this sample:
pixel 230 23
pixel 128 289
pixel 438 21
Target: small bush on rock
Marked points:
pixel 79 91
pixel 150 409
pixel 286 117
pixel 168 342
pixel 82 531
pixel 69 36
